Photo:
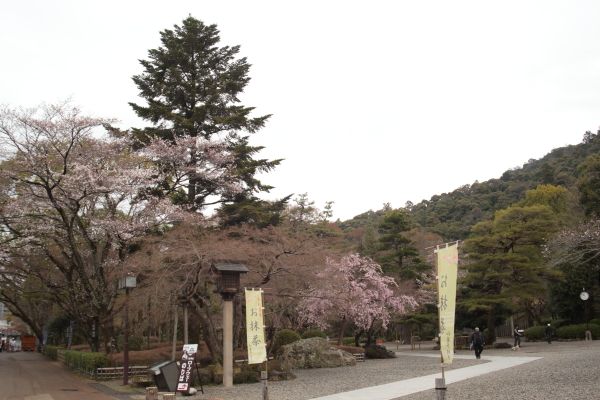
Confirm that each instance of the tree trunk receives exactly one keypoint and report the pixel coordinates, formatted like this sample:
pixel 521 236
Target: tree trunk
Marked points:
pixel 210 335
pixel 238 321
pixel 342 331
pixel 357 336
pixel 491 326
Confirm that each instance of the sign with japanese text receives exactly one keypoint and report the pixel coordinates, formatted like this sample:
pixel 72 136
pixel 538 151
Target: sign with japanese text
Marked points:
pixel 185 369
pixel 255 330
pixel 447 267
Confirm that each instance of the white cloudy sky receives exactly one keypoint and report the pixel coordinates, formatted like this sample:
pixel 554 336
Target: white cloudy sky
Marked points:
pixel 373 101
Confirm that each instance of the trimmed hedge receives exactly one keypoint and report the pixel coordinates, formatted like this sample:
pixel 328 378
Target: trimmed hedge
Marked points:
pixel 51 352
pixel 577 331
pixel 84 361
pixel 534 333
pixel 313 333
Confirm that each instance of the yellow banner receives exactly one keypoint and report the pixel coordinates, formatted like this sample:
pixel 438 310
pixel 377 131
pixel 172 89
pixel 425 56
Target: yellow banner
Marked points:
pixel 255 329
pixel 447 262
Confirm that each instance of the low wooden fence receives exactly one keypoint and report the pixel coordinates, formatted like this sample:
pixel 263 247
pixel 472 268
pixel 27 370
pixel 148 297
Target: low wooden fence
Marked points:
pixel 117 372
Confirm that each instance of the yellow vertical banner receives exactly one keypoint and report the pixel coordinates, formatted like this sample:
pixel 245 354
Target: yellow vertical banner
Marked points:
pixel 447 266
pixel 255 328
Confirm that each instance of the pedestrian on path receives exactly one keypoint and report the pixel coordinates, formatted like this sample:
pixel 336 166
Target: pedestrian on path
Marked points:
pixel 548 333
pixel 517 334
pixel 477 342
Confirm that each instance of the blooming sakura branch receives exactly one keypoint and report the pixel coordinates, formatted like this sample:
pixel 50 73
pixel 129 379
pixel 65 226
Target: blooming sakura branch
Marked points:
pixel 355 289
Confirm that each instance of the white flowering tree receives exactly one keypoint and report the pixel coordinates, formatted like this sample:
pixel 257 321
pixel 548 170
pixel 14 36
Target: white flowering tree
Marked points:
pixel 73 202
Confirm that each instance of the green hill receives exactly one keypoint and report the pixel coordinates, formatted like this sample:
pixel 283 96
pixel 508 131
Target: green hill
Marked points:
pixel 452 215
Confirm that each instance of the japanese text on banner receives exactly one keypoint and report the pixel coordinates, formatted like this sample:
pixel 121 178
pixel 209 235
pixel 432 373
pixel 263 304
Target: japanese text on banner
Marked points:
pixel 447 261
pixel 257 350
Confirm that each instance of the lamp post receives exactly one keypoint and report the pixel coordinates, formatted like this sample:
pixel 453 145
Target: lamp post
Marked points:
pixel 228 284
pixel 127 282
pixel 584 296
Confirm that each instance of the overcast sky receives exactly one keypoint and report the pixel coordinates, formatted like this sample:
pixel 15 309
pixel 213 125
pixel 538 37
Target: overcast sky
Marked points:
pixel 372 101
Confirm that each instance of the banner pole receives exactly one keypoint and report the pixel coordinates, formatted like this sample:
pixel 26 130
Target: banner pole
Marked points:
pixel 264 375
pixel 440 384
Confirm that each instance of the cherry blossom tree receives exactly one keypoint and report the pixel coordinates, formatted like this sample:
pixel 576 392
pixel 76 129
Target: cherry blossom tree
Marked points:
pixel 353 289
pixel 80 201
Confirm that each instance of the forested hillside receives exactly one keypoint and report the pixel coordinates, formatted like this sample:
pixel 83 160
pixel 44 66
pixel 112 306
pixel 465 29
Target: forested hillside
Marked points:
pixel 453 214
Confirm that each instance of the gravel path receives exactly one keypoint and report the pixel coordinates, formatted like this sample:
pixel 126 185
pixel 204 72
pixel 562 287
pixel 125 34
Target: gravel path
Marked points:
pixel 311 383
pixel 568 371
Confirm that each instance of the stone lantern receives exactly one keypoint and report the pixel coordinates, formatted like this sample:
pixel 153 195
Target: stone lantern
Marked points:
pixel 228 284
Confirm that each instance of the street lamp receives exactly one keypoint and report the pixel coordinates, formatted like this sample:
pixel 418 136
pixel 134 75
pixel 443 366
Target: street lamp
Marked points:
pixel 584 296
pixel 127 282
pixel 228 284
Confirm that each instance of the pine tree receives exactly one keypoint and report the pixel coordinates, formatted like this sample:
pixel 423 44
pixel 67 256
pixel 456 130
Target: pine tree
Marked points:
pixel 506 270
pixel 191 87
pixel 397 252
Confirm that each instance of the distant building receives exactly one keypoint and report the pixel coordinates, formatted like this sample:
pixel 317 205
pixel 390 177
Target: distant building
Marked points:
pixel 4 313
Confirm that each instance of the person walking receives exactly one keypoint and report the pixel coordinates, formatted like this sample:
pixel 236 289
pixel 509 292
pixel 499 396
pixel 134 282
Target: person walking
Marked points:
pixel 517 334
pixel 548 333
pixel 477 342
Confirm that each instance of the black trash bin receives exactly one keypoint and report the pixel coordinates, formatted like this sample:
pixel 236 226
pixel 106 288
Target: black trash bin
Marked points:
pixel 165 374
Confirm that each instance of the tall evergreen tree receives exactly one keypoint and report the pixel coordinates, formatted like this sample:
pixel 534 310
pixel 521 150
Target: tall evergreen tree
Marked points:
pixel 397 253
pixel 191 87
pixel 506 270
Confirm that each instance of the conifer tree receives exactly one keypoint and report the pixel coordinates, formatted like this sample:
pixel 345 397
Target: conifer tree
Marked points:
pixel 191 86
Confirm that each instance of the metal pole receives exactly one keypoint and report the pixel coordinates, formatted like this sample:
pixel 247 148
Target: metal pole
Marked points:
pixel 228 343
pixel 265 388
pixel 264 375
pixel 126 340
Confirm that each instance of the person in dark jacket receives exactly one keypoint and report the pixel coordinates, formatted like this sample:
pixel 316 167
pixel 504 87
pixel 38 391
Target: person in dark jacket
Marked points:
pixel 548 333
pixel 517 334
pixel 477 342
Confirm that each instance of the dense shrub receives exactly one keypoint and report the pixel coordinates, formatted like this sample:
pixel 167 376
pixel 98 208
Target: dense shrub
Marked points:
pixel 51 352
pixel 502 345
pixel 84 361
pixel 595 321
pixel 348 341
pixel 577 331
pixel 377 351
pixel 283 337
pixel 534 333
pixel 313 333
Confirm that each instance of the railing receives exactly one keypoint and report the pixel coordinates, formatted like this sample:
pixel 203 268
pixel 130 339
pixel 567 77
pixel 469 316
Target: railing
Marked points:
pixel 117 372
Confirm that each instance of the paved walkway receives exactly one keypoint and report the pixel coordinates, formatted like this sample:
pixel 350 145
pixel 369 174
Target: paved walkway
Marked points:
pixel 406 387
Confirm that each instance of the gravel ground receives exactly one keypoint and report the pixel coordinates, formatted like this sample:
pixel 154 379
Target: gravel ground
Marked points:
pixel 311 383
pixel 568 371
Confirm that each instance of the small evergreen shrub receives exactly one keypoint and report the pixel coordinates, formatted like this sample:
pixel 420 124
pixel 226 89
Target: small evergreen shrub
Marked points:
pixel 313 333
pixel 377 351
pixel 577 331
pixel 348 341
pixel 283 337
